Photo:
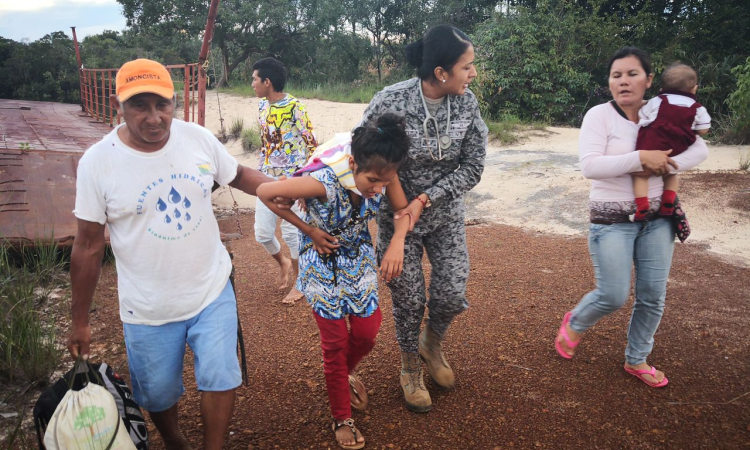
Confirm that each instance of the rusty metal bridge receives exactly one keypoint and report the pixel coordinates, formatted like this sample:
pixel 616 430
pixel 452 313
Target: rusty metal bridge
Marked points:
pixel 42 142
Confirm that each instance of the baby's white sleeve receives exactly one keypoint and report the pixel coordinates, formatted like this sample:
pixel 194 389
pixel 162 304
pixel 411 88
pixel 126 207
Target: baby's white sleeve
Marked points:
pixel 702 119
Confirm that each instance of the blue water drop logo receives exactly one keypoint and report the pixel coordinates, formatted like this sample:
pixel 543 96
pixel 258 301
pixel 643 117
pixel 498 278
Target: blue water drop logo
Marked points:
pixel 167 219
pixel 187 217
pixel 186 203
pixel 174 196
pixel 179 227
pixel 160 205
pixel 177 213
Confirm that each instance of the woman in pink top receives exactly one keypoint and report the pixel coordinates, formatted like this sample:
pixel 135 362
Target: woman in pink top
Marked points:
pixel 609 158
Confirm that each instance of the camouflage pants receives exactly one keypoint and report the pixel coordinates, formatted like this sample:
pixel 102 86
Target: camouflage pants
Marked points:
pixel 445 244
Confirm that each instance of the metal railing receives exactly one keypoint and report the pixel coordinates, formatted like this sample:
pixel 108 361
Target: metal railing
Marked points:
pixel 97 85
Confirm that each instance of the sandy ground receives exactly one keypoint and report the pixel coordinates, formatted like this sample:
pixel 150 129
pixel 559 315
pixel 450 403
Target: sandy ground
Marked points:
pixel 535 184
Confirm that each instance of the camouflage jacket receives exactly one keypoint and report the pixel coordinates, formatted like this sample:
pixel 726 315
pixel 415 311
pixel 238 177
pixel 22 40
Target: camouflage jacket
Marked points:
pixel 443 181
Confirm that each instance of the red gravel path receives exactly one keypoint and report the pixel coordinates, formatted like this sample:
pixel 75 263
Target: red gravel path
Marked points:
pixel 512 391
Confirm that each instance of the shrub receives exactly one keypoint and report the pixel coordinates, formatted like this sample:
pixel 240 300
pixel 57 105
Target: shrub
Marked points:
pixel 745 162
pixel 544 63
pixel 250 139
pixel 739 101
pixel 238 124
pixel 27 337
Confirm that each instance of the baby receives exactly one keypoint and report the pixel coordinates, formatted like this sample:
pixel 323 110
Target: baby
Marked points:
pixel 669 121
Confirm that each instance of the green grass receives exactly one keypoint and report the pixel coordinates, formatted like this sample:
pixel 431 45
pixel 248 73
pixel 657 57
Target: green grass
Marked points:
pixel 506 128
pixel 250 139
pixel 236 126
pixel 745 162
pixel 29 350
pixel 27 336
pixel 334 92
pixel 727 130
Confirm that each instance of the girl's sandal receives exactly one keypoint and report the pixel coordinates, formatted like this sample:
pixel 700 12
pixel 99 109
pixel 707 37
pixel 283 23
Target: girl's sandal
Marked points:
pixel 348 423
pixel 357 393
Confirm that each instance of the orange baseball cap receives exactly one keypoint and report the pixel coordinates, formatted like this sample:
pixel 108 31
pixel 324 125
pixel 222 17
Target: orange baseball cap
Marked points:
pixel 143 75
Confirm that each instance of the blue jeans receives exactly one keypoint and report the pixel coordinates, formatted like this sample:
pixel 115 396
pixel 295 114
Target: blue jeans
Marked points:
pixel 614 249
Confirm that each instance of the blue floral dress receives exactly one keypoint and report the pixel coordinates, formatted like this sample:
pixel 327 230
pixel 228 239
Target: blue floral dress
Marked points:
pixel 345 282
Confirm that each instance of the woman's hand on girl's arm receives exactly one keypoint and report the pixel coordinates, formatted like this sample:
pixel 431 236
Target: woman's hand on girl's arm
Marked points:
pixel 403 208
pixel 657 162
pixel 412 213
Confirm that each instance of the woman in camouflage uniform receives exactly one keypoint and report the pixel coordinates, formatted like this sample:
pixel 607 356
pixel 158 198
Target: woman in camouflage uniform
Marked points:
pixel 446 159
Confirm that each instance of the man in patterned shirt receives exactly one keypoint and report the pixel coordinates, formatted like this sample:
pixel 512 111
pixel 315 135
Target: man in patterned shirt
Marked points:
pixel 287 142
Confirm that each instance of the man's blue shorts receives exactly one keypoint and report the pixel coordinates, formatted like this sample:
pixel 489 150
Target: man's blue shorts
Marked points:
pixel 156 353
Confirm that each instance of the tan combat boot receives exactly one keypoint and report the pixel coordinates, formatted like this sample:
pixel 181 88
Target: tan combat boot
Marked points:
pixel 431 351
pixel 412 383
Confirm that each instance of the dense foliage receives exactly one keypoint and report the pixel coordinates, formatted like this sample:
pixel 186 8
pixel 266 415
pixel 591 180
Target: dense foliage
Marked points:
pixel 538 59
pixel 547 59
pixel 531 67
pixel 45 70
pixel 739 101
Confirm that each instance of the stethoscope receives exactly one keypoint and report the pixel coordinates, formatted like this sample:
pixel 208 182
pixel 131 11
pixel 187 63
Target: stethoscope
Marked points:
pixel 444 141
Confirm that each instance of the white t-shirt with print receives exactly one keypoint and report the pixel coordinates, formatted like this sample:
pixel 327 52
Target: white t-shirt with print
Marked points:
pixel 171 263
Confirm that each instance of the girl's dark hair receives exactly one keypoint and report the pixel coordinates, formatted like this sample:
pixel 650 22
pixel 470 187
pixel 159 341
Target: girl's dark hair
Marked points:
pixel 624 52
pixel 381 145
pixel 441 46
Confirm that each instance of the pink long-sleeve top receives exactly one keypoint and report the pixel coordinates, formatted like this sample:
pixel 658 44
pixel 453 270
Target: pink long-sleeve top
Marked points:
pixel 607 155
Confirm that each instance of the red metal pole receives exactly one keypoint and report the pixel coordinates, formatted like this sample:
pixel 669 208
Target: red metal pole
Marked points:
pixel 111 108
pixel 80 65
pixel 104 103
pixel 96 97
pixel 89 97
pixel 209 34
pixel 201 96
pixel 186 92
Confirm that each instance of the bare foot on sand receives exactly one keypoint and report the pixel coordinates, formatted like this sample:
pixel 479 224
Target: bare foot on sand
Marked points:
pixel 292 297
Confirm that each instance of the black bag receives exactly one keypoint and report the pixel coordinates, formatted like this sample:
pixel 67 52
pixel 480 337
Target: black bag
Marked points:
pixel 104 376
pixel 679 221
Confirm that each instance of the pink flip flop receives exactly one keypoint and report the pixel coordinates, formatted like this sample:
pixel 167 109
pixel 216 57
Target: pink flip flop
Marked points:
pixel 640 372
pixel 569 342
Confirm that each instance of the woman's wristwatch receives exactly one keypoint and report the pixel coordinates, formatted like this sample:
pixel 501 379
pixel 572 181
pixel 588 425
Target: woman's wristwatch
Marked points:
pixel 425 203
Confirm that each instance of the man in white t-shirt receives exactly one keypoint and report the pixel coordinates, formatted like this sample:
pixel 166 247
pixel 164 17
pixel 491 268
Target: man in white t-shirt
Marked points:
pixel 150 181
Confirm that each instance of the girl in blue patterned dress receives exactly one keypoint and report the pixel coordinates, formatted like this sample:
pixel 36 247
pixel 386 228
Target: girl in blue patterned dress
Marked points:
pixel 343 186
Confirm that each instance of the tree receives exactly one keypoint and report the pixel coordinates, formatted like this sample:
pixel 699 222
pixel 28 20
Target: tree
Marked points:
pixel 41 70
pixel 531 68
pixel 243 28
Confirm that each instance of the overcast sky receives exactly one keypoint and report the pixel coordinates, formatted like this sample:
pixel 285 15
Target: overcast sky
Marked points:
pixel 32 19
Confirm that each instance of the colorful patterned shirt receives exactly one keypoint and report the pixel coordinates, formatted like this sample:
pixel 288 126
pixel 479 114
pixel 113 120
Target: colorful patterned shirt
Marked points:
pixel 287 137
pixel 345 282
